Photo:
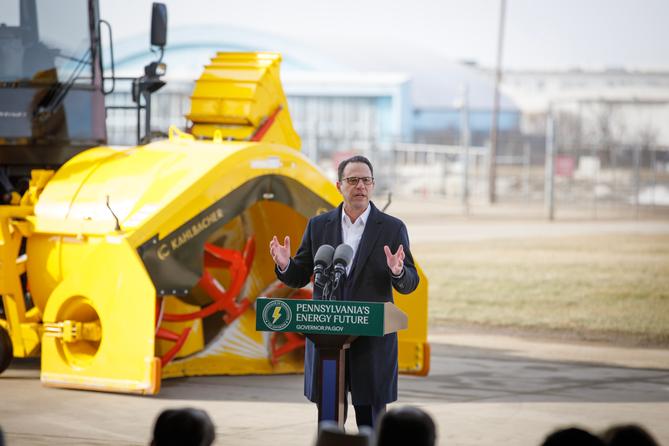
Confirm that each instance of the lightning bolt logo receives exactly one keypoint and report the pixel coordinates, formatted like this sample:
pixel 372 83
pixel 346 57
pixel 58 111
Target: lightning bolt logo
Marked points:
pixel 276 315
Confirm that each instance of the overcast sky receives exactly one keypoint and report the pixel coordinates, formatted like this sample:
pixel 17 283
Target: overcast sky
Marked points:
pixel 540 34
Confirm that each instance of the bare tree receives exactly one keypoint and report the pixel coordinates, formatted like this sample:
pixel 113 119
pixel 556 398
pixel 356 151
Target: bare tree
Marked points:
pixel 607 132
pixel 647 137
pixel 569 132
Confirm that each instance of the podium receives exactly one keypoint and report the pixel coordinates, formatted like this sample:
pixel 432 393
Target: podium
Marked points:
pixel 331 325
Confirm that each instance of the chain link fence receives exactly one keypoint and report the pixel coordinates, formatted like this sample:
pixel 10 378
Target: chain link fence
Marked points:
pixel 608 157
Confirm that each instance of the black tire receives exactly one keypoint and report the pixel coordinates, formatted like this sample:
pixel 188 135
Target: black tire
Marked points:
pixel 6 350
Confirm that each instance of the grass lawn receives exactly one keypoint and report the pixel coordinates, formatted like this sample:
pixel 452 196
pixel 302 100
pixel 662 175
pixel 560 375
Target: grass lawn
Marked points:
pixel 613 287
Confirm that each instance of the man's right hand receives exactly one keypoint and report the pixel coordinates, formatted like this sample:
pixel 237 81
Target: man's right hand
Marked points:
pixel 280 253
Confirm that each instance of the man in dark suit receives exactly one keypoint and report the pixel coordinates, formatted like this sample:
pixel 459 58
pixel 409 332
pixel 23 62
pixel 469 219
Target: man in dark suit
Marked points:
pixel 382 261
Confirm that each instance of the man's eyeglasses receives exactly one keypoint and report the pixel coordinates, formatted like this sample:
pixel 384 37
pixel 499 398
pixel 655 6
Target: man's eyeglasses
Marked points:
pixel 353 181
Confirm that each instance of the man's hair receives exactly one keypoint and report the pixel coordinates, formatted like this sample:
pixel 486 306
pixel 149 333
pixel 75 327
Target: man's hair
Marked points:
pixel 625 434
pixel 185 426
pixel 572 436
pixel 329 434
pixel 353 159
pixel 406 425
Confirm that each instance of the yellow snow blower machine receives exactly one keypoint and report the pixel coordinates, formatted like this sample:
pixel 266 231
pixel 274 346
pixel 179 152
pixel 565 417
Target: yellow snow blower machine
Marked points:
pixel 123 266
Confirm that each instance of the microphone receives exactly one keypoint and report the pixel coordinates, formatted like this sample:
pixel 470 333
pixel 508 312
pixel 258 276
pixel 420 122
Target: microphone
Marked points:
pixel 342 257
pixel 322 262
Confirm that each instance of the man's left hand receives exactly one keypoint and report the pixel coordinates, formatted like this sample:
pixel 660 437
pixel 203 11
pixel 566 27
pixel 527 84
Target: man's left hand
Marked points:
pixel 395 261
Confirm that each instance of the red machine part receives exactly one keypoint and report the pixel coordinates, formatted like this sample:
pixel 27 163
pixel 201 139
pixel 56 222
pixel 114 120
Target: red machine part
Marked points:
pixel 163 333
pixel 264 127
pixel 178 339
pixel 291 341
pixel 239 265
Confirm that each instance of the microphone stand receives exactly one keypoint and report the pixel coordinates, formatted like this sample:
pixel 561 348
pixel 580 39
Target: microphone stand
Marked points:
pixel 327 289
pixel 333 283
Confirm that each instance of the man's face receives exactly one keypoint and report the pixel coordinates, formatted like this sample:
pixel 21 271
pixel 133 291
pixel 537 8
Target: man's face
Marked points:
pixel 356 196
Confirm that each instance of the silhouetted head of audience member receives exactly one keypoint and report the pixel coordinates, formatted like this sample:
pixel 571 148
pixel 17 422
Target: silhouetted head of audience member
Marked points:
pixel 572 436
pixel 628 435
pixel 183 427
pixel 2 438
pixel 406 426
pixel 330 434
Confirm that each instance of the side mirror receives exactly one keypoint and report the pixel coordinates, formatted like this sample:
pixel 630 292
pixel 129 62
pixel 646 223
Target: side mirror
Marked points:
pixel 159 25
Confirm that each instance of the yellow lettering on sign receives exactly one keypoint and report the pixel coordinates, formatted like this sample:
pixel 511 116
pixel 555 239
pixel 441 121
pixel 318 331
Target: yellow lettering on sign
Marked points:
pixel 190 232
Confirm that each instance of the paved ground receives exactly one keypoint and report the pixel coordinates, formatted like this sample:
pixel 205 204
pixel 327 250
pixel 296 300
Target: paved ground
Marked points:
pixel 483 390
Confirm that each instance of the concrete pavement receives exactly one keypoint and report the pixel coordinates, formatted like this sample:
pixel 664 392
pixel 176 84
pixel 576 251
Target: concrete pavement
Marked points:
pixel 483 390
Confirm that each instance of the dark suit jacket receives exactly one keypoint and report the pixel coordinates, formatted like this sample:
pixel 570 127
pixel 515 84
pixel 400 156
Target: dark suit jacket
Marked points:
pixel 372 360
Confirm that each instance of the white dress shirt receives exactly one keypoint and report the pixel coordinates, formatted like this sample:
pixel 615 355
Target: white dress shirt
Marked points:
pixel 351 232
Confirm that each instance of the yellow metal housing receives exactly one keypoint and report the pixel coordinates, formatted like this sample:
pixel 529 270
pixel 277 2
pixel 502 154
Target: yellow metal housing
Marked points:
pixel 116 246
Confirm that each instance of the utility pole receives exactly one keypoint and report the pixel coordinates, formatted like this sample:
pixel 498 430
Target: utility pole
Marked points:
pixel 492 159
pixel 464 146
pixel 549 166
